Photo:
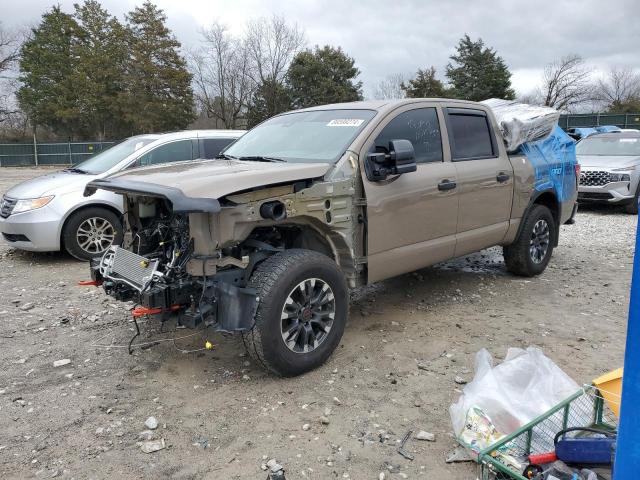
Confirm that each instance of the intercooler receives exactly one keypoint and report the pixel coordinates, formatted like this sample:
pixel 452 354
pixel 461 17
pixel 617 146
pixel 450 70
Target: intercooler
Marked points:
pixel 131 268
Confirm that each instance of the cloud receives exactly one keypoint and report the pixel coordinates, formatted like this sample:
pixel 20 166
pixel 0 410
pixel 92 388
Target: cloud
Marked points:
pixel 400 37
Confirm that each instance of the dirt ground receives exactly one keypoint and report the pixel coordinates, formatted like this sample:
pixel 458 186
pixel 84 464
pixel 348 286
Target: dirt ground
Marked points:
pixel 221 416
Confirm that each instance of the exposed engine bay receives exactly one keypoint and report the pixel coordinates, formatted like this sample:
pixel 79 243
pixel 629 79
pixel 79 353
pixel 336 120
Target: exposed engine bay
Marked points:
pixel 150 269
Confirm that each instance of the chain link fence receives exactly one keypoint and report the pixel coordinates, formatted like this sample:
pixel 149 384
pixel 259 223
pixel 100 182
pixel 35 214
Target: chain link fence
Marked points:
pixel 34 154
pixel 623 120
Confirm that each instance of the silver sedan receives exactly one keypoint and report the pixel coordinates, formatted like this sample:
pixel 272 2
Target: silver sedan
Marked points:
pixel 50 213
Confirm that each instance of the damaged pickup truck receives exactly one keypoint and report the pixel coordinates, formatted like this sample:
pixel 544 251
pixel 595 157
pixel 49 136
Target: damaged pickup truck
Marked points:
pixel 268 239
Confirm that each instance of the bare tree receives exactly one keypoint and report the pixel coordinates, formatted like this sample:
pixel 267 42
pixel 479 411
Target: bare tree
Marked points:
pixel 619 88
pixel 272 43
pixel 567 83
pixel 391 87
pixel 10 42
pixel 222 75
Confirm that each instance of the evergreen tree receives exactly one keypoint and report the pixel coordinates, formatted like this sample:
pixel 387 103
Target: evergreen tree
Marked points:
pixel 158 91
pixel 325 75
pixel 47 68
pixel 424 85
pixel 269 99
pixel 478 72
pixel 102 55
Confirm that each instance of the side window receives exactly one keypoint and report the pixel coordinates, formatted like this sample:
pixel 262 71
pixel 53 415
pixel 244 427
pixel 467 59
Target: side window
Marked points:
pixel 420 127
pixel 470 135
pixel 169 152
pixel 211 147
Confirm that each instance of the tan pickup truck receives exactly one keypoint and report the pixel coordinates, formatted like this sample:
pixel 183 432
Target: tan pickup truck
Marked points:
pixel 268 239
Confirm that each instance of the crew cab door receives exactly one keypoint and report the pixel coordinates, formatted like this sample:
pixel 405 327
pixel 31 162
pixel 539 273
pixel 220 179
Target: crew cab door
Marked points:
pixel 485 179
pixel 411 218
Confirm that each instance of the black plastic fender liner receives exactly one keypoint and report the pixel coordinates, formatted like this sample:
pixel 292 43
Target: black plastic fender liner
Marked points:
pixel 179 201
pixel 236 307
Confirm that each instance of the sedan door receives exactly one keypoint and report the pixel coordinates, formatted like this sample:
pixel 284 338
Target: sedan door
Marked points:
pixel 485 180
pixel 411 218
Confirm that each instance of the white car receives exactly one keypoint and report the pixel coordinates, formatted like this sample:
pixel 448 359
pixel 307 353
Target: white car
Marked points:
pixel 50 213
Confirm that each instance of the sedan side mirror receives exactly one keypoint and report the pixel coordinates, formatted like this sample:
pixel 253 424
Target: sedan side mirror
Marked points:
pixel 400 159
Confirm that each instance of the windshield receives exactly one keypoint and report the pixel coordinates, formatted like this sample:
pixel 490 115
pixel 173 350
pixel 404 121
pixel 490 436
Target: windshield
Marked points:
pixel 612 146
pixel 315 136
pixel 103 161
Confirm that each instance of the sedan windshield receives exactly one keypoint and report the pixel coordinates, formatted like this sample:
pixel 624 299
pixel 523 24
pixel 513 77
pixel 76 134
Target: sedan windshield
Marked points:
pixel 610 146
pixel 312 136
pixel 103 161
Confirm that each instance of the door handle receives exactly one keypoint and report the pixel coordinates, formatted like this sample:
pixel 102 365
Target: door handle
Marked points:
pixel 503 177
pixel 445 185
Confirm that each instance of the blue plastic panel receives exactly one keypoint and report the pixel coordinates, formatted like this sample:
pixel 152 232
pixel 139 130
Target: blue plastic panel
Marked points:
pixel 554 162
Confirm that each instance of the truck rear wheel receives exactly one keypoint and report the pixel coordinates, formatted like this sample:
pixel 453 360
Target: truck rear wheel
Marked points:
pixel 302 311
pixel 531 251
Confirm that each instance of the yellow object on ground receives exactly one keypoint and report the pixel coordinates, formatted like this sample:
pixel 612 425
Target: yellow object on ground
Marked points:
pixel 610 387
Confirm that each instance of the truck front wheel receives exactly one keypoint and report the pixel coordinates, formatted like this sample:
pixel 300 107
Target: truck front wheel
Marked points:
pixel 302 311
pixel 531 251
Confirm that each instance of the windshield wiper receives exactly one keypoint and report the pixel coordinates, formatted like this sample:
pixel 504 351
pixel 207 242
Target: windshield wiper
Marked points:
pixel 226 157
pixel 76 170
pixel 260 158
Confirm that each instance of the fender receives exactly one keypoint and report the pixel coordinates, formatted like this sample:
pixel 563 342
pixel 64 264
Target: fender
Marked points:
pixel 532 201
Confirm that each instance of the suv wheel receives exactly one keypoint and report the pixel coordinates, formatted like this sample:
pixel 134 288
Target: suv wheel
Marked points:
pixel 632 208
pixel 530 253
pixel 303 309
pixel 89 232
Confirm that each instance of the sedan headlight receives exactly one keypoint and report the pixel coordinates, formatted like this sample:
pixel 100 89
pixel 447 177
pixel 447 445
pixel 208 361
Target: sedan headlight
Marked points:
pixel 31 204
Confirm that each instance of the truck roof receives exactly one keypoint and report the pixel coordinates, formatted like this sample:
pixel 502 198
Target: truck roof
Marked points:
pixel 385 105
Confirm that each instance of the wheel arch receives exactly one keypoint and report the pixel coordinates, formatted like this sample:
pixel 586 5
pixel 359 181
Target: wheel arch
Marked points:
pixel 549 199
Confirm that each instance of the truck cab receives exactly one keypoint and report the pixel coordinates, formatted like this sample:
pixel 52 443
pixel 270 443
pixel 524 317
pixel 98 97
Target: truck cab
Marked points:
pixel 268 239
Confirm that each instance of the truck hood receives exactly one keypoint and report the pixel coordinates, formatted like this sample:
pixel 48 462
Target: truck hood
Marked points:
pixel 608 162
pixel 50 184
pixel 207 179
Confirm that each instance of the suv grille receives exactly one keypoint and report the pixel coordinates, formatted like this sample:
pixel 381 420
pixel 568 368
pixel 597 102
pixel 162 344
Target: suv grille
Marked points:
pixel 7 206
pixel 594 179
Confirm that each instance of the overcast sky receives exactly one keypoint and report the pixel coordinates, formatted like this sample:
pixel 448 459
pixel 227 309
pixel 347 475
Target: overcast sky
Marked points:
pixel 400 36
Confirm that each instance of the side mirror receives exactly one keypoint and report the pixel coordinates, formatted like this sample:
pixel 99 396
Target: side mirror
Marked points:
pixel 400 159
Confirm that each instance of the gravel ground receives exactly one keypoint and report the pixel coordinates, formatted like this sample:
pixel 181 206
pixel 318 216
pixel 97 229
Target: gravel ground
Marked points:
pixel 221 416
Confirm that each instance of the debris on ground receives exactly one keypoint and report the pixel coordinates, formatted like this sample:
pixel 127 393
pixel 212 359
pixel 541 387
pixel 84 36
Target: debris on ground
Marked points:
pixel 401 449
pixel 151 423
pixel 459 454
pixel 151 446
pixel 425 436
pixel 62 363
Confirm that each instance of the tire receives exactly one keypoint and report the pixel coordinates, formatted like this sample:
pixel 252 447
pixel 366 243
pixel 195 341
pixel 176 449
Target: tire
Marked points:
pixel 280 281
pixel 523 257
pixel 84 246
pixel 632 208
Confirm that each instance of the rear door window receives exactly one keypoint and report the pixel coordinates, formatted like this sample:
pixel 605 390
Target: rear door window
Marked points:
pixel 470 135
pixel 420 127
pixel 169 152
pixel 211 147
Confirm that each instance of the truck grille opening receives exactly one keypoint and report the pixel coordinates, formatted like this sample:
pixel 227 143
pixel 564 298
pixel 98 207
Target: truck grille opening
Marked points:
pixel 595 178
pixel 7 206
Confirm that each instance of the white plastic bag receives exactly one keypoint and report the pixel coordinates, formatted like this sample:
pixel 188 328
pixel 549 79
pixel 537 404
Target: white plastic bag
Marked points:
pixel 520 122
pixel 524 386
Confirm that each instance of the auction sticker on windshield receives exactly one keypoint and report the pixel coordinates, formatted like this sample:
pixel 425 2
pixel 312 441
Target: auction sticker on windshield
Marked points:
pixel 345 122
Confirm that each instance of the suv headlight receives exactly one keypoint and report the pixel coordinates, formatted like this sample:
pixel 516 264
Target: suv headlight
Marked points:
pixel 620 177
pixel 31 204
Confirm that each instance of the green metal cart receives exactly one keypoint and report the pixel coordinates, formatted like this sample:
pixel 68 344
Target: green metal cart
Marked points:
pixel 585 408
